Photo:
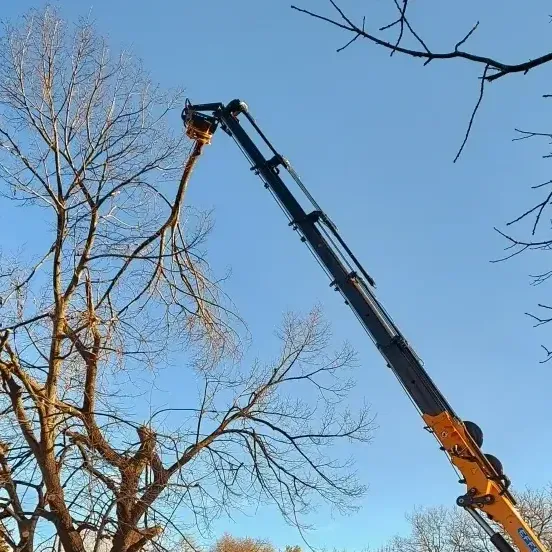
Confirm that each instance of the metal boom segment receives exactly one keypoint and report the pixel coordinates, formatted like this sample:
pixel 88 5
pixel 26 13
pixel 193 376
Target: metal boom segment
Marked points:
pixel 487 486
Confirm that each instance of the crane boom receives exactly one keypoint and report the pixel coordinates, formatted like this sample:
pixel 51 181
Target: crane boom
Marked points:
pixel 486 484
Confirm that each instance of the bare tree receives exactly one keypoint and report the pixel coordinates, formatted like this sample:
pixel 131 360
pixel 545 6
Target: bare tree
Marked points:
pixel 229 543
pixel 445 530
pixel 399 37
pixel 114 287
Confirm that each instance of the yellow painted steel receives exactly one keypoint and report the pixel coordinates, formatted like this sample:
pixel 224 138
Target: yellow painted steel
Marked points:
pixel 482 480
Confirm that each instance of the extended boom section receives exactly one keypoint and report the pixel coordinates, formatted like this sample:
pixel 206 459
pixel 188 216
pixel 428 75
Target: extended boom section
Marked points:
pixel 487 486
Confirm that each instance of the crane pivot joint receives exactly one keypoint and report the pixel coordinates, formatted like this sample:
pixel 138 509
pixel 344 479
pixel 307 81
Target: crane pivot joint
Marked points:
pixel 470 499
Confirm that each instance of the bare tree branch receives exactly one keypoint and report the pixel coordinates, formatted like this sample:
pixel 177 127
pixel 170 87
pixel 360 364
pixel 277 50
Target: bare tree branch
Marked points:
pixel 121 291
pixel 501 69
pixel 445 530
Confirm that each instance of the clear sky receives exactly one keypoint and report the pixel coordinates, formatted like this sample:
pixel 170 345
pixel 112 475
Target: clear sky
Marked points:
pixel 374 139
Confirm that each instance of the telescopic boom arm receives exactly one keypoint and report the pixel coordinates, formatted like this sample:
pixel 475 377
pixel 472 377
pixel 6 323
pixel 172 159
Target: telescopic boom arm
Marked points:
pixel 483 475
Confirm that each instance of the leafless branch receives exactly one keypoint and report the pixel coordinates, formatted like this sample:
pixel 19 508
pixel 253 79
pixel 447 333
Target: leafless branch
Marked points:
pixel 472 118
pixel 501 69
pixel 493 69
pixel 122 290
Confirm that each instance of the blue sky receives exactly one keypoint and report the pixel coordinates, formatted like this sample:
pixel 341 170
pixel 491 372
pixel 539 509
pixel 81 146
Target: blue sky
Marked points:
pixel 374 139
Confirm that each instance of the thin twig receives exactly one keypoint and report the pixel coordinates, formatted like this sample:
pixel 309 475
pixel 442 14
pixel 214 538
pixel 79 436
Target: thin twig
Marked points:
pixel 474 112
pixel 458 44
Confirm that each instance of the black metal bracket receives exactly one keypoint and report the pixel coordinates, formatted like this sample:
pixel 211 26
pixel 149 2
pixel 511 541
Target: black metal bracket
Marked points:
pixel 470 499
pixel 312 217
